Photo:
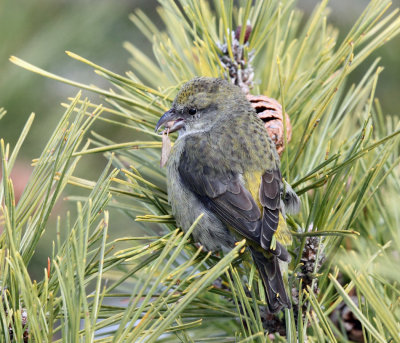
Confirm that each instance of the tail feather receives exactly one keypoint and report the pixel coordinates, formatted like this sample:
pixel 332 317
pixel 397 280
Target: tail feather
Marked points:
pixel 280 252
pixel 271 275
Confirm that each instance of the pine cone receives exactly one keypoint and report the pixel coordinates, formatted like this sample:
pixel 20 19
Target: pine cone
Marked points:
pixel 309 266
pixel 343 316
pixel 24 321
pixel 270 112
pixel 24 317
pixel 309 260
pixel 272 323
pixel 239 69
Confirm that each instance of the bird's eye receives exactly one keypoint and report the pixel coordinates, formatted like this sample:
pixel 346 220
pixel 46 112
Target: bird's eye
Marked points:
pixel 192 111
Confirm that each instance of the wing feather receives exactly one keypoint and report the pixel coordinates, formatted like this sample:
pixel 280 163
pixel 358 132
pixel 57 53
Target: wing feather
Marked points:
pixel 223 192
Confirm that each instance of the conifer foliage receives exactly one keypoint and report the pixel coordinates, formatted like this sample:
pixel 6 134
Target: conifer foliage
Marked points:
pixel 152 283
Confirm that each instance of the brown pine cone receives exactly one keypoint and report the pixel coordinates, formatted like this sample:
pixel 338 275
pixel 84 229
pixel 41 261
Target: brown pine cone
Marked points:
pixel 343 316
pixel 270 112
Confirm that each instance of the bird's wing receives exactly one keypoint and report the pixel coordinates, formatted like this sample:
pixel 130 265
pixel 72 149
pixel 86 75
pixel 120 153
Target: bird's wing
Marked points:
pixel 222 190
pixel 270 199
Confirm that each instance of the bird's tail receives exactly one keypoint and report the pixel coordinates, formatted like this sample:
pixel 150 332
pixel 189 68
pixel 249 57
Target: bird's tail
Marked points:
pixel 271 275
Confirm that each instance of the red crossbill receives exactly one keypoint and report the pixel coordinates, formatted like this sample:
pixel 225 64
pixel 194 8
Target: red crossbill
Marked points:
pixel 225 165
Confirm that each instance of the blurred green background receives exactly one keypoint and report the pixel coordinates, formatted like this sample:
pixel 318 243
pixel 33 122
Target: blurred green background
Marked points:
pixel 40 31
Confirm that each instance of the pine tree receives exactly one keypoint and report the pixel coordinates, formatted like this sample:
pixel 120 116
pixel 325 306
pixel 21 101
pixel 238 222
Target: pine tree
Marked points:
pixel 156 285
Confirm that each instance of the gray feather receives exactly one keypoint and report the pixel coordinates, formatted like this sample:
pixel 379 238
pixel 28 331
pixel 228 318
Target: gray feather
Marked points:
pixel 291 201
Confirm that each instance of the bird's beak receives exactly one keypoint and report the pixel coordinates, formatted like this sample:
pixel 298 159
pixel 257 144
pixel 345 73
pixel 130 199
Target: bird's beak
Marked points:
pixel 170 116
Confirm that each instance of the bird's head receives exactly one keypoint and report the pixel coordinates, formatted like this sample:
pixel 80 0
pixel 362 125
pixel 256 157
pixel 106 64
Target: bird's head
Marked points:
pixel 202 102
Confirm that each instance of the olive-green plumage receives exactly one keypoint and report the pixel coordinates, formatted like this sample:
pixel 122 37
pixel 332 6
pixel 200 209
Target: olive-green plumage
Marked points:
pixel 225 165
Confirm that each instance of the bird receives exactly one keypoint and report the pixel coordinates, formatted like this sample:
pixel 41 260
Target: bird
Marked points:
pixel 224 165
